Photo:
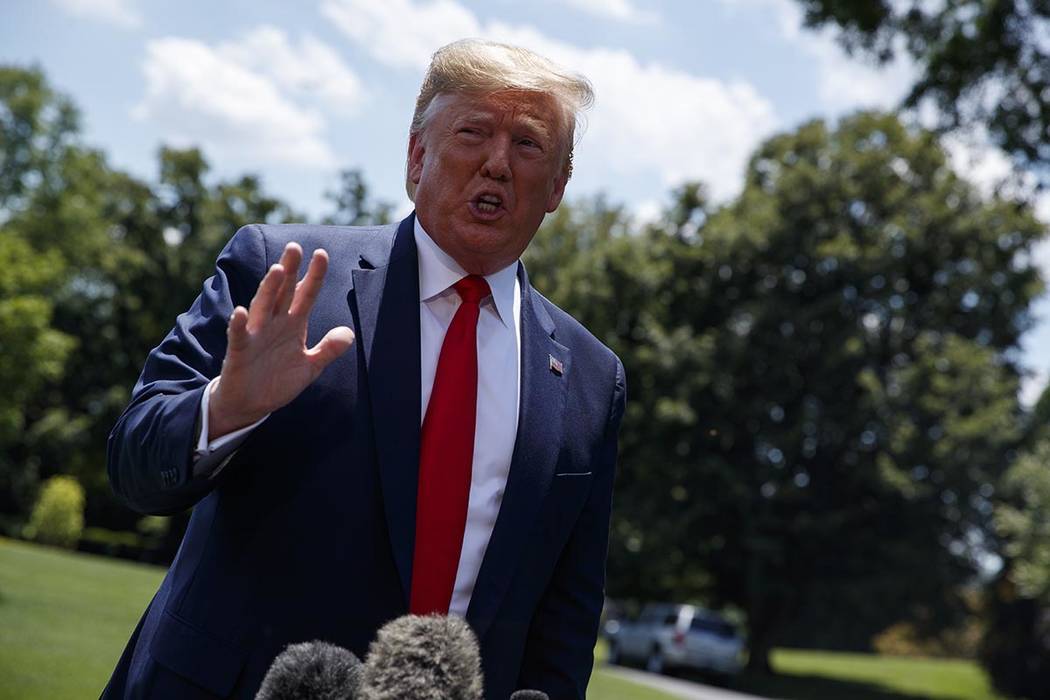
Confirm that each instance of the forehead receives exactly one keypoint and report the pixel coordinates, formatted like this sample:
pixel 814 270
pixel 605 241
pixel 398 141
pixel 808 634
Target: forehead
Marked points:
pixel 533 108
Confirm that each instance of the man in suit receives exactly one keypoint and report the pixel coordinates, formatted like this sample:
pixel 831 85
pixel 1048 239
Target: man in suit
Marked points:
pixel 410 428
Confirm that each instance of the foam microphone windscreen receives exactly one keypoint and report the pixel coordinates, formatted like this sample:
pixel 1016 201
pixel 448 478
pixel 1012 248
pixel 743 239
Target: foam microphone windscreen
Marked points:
pixel 430 657
pixel 312 671
pixel 529 695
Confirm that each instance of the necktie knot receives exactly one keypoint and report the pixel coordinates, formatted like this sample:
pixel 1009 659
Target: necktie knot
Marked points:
pixel 472 289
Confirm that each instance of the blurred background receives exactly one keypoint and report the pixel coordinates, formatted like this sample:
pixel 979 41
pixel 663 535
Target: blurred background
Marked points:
pixel 813 230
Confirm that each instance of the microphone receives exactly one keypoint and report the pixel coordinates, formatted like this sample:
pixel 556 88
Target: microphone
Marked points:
pixel 430 657
pixel 529 695
pixel 312 671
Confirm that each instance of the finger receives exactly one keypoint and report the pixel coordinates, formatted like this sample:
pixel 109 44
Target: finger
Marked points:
pixel 332 345
pixel 307 290
pixel 290 261
pixel 237 331
pixel 262 303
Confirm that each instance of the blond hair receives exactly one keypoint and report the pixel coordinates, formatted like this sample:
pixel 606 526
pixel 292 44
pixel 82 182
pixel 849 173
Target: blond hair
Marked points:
pixel 473 66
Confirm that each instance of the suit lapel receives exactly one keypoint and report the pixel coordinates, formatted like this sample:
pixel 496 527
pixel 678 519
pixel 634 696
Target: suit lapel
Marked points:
pixel 385 304
pixel 540 425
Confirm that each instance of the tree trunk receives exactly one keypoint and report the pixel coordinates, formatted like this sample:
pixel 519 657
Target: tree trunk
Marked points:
pixel 758 653
pixel 759 620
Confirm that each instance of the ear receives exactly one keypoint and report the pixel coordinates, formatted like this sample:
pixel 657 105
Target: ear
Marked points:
pixel 415 158
pixel 558 191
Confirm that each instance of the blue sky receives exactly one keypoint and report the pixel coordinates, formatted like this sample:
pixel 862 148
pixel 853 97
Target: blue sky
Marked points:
pixel 296 91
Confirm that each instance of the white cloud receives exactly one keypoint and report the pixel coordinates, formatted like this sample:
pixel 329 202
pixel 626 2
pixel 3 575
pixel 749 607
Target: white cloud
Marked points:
pixel 1032 386
pixel 310 70
pixel 649 119
pixel 119 12
pixel 619 10
pixel 843 81
pixel 648 211
pixel 653 118
pixel 399 32
pixel 254 101
pixel 989 169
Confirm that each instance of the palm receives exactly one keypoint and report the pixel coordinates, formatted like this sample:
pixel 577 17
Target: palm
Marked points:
pixel 267 362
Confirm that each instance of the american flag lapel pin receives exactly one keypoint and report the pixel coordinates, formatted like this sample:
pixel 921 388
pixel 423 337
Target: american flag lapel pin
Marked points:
pixel 556 366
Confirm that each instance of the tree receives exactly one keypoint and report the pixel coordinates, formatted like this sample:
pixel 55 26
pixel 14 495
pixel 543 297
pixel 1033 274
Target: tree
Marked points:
pixel 36 126
pixel 822 385
pixel 111 260
pixel 34 355
pixel 1016 648
pixel 353 205
pixel 980 63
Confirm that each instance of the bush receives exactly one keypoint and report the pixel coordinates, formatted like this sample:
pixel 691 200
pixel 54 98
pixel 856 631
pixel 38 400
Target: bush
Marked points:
pixel 112 543
pixel 902 639
pixel 58 516
pixel 1015 651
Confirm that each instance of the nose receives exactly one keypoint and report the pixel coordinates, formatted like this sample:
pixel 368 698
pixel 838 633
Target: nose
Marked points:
pixel 497 160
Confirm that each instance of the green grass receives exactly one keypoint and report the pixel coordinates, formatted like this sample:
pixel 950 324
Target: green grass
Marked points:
pixel 819 675
pixel 605 686
pixel 65 618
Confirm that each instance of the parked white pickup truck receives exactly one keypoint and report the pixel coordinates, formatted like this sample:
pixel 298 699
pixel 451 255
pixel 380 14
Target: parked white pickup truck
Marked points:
pixel 677 636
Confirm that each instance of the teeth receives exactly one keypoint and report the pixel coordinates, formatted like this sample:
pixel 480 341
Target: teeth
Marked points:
pixel 486 207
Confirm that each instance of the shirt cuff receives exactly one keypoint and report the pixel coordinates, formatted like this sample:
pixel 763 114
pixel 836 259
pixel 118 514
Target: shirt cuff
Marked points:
pixel 210 457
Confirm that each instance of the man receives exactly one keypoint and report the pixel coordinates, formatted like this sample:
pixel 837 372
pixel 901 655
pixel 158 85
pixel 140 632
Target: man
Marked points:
pixel 459 458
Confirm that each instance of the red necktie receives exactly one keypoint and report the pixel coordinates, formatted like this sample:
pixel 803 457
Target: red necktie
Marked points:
pixel 445 456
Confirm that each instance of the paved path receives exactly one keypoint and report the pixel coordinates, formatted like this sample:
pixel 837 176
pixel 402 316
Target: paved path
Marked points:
pixel 686 690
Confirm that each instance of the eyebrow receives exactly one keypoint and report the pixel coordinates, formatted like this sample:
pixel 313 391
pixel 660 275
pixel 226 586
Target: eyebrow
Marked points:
pixel 525 120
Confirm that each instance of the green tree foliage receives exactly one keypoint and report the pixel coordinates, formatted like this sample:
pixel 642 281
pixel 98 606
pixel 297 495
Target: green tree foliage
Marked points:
pixel 821 379
pixel 116 260
pixel 352 204
pixel 863 399
pixel 1022 519
pixel 1016 648
pixel 35 126
pixel 58 516
pixel 34 354
pixel 981 63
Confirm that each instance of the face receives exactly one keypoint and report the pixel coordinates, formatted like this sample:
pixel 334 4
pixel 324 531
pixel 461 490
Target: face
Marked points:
pixel 487 169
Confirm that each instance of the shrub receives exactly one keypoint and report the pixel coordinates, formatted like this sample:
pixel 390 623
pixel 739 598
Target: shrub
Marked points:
pixel 58 516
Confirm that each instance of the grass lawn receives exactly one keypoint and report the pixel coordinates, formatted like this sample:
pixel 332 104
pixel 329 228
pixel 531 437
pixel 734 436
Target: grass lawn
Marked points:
pixel 819 675
pixel 65 617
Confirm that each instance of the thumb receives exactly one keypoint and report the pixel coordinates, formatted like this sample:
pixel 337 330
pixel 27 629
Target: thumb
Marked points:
pixel 332 345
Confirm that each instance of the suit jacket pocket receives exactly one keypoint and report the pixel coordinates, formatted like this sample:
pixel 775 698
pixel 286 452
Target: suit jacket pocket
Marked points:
pixel 196 655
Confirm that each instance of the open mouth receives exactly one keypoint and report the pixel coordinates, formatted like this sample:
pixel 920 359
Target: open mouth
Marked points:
pixel 488 203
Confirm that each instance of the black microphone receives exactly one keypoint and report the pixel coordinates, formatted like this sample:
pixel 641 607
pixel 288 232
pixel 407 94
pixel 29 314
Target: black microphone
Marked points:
pixel 433 657
pixel 312 671
pixel 529 695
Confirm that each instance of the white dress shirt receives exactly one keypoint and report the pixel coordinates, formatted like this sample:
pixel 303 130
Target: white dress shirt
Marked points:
pixel 499 382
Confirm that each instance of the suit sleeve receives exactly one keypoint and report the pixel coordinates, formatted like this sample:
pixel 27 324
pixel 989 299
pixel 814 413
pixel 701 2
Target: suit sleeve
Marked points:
pixel 559 652
pixel 150 449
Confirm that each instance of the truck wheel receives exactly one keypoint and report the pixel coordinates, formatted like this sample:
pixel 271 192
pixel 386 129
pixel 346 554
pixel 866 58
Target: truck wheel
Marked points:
pixel 655 661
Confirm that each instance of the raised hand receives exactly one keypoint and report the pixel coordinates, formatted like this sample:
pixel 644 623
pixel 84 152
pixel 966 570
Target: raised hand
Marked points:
pixel 267 363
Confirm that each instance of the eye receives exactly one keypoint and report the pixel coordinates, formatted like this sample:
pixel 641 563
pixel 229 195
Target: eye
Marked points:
pixel 529 143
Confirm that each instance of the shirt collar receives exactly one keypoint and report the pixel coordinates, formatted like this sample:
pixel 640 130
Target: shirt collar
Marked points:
pixel 438 271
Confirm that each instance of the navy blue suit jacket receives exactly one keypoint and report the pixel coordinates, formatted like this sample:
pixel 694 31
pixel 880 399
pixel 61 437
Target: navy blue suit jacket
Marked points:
pixel 307 533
